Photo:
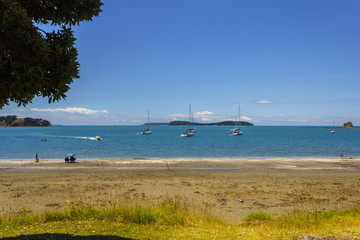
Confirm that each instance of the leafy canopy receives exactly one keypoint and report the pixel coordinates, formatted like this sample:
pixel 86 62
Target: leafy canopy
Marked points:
pixel 34 62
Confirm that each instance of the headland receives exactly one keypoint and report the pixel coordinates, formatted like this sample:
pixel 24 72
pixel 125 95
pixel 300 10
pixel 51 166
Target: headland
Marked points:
pixel 13 121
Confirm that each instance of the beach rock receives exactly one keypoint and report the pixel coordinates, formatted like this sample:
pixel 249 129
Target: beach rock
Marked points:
pixel 348 125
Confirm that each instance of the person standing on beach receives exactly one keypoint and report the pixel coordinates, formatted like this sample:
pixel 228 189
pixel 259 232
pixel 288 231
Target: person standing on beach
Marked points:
pixel 36 158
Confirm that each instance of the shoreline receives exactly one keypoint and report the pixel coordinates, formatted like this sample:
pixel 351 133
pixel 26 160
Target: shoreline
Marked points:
pixel 286 163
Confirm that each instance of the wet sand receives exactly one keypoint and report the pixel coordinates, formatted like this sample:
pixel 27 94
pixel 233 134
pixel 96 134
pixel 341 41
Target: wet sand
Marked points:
pixel 227 188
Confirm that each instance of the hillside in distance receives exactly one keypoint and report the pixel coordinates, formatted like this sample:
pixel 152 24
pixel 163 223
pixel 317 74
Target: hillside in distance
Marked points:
pixel 223 123
pixel 13 121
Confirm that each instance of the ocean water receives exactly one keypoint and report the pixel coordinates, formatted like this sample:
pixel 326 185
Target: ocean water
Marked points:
pixel 124 142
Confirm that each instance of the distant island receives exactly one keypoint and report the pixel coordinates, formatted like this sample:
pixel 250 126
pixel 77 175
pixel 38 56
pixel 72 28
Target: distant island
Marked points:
pixel 188 123
pixel 13 121
pixel 156 124
pixel 345 125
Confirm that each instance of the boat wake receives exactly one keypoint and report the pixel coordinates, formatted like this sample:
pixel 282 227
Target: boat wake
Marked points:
pixel 88 138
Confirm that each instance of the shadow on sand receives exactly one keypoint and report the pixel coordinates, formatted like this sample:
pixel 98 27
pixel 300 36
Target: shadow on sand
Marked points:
pixel 58 236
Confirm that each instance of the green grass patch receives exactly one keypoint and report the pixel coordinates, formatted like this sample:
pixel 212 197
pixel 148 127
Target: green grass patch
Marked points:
pixel 175 220
pixel 257 216
pixel 165 213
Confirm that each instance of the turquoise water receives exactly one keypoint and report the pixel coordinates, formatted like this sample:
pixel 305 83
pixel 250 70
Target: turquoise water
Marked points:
pixel 165 142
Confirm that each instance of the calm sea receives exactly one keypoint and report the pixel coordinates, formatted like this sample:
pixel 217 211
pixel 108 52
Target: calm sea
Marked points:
pixel 165 142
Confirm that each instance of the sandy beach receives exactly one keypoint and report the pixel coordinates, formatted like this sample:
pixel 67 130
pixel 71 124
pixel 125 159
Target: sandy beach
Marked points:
pixel 227 188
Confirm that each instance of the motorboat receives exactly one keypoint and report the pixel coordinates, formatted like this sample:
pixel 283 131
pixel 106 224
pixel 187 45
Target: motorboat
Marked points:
pixel 237 132
pixel 98 138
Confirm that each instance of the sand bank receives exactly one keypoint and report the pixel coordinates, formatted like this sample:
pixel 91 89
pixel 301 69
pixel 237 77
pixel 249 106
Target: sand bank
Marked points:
pixel 190 163
pixel 228 188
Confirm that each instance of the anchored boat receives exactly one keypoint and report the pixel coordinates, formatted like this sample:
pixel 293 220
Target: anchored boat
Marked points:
pixel 147 131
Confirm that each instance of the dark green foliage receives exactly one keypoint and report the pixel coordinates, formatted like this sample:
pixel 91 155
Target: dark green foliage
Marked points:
pixel 234 123
pixel 34 62
pixel 181 123
pixel 8 119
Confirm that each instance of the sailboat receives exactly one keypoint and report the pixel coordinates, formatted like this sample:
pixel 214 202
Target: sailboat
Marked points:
pixel 190 132
pixel 333 131
pixel 236 131
pixel 147 131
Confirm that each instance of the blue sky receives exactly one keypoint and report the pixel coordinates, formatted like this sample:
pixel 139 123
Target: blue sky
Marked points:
pixel 284 62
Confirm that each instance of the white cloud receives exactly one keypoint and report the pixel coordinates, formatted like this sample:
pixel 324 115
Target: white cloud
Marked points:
pixel 264 101
pixel 298 120
pixel 202 114
pixel 245 118
pixel 177 116
pixel 120 120
pixel 70 110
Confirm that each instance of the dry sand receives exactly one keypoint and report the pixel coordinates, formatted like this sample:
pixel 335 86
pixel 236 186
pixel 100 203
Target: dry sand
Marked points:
pixel 228 188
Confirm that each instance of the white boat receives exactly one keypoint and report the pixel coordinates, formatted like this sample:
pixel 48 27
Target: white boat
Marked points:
pixel 237 132
pixel 333 131
pixel 98 138
pixel 232 130
pixel 147 131
pixel 187 134
pixel 191 130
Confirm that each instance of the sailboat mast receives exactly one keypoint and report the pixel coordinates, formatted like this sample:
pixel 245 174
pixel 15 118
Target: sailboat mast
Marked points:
pixel 148 117
pixel 239 113
pixel 189 113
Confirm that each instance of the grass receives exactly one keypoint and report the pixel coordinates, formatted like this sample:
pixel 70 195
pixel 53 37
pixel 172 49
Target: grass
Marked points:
pixel 257 216
pixel 175 220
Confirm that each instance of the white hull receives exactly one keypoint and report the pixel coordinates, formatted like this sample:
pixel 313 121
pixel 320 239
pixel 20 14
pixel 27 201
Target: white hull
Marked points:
pixel 237 133
pixel 146 132
pixel 187 134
